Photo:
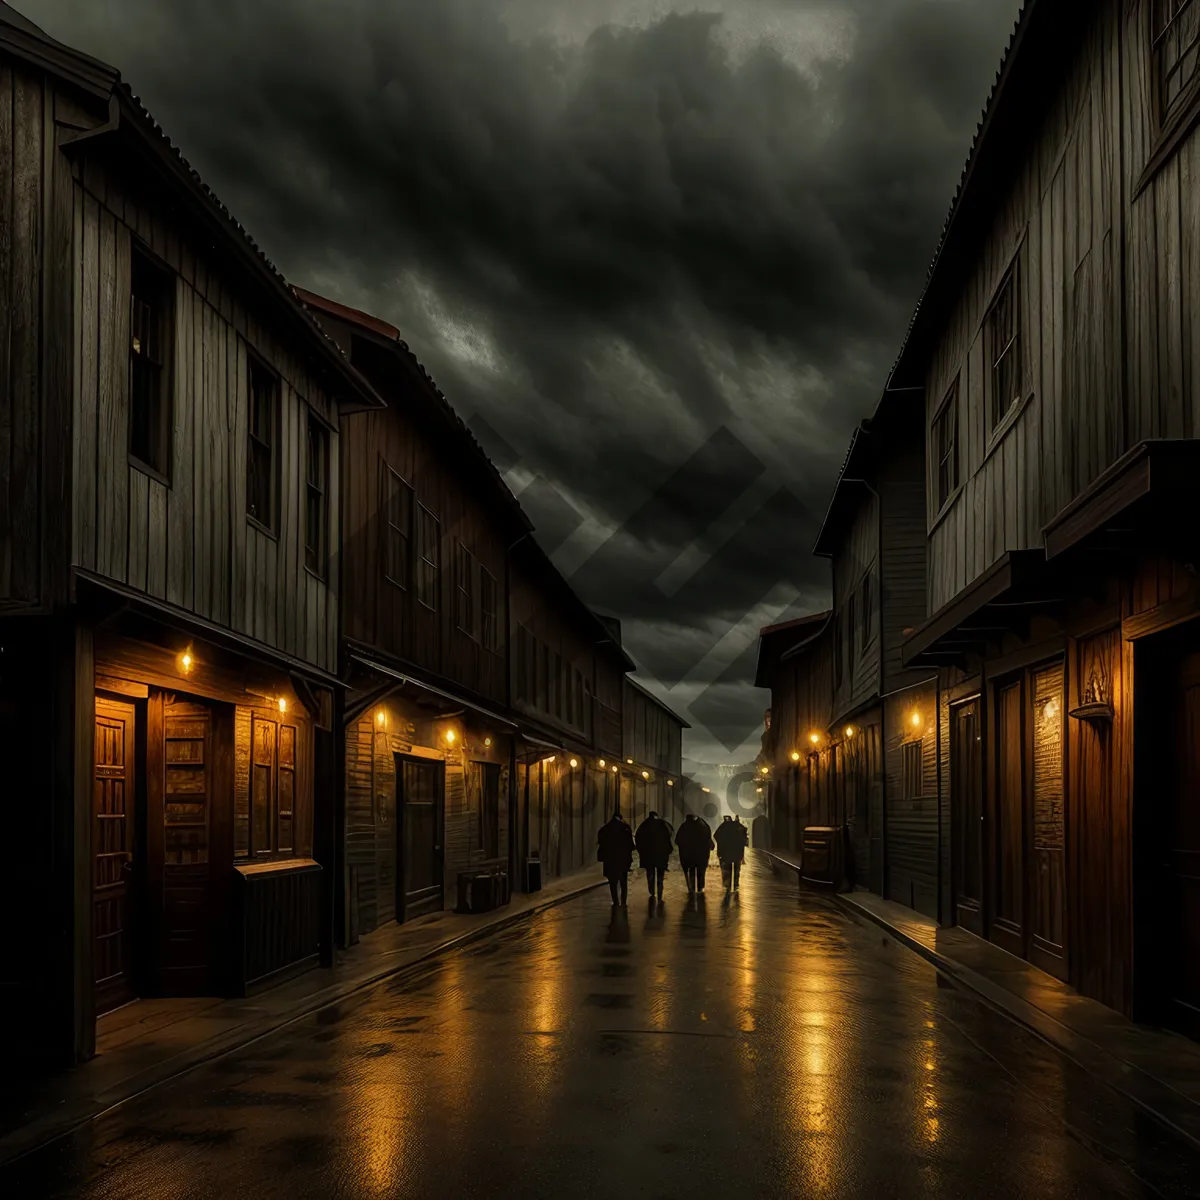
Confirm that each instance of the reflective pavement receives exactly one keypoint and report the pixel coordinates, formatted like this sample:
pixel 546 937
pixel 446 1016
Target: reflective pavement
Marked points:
pixel 764 1045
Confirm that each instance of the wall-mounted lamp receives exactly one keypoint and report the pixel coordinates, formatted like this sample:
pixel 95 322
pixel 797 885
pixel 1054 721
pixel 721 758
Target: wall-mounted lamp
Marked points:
pixel 795 756
pixel 645 774
pixel 185 662
pixel 282 705
pixel 764 770
pixel 487 741
pixel 850 731
pixel 706 790
pixel 574 763
pixel 614 770
pixel 629 761
pixel 758 790
pixel 815 738
pixel 451 737
pixel 670 783
pixel 915 719
pixel 381 718
pixel 603 763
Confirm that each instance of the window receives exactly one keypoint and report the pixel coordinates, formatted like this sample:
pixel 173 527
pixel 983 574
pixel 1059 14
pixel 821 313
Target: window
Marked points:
pixel 428 536
pixel 268 828
pixel 487 788
pixel 397 509
pixel 838 653
pixel 316 516
pixel 1002 339
pixel 262 445
pixel 912 770
pixel 865 614
pixel 487 610
pixel 1176 52
pixel 852 629
pixel 464 590
pixel 150 323
pixel 945 446
pixel 558 685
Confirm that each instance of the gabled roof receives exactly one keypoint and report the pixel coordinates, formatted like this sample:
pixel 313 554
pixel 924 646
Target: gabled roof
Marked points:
pixel 633 683
pixel 776 642
pixel 131 125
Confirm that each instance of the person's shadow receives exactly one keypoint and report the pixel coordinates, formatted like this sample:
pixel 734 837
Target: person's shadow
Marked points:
pixel 618 926
pixel 694 918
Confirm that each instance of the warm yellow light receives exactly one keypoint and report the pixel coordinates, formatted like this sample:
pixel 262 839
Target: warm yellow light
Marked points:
pixel 795 756
pixel 670 783
pixel 629 761
pixel 758 790
pixel 614 770
pixel 381 718
pixel 1051 709
pixel 282 704
pixel 645 774
pixel 850 731
pixel 574 762
pixel 487 741
pixel 603 763
pixel 764 770
pixel 550 759
pixel 815 738
pixel 185 662
pixel 451 736
pixel 915 719
pixel 704 789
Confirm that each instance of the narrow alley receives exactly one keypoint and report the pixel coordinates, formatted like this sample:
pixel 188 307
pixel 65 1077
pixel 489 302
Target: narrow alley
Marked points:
pixel 766 1044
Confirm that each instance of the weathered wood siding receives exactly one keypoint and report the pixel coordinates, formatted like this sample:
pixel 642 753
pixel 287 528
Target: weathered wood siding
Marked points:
pixel 857 560
pixel 651 735
pixel 189 541
pixel 903 552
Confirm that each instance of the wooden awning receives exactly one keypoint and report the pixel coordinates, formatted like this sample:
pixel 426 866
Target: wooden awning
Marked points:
pixel 981 612
pixel 1145 490
pixel 404 677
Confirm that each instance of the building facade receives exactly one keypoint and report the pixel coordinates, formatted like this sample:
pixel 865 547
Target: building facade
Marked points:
pixel 168 587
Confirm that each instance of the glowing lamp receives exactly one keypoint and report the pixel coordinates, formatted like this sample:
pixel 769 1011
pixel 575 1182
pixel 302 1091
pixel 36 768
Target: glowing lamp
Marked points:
pixel 451 737
pixel 915 719
pixel 815 738
pixel 670 783
pixel 758 790
pixel 629 761
pixel 764 770
pixel 603 763
pixel 574 762
pixel 185 662
pixel 487 741
pixel 645 774
pixel 1051 709
pixel 850 731
pixel 705 790
pixel 614 770
pixel 795 756
pixel 282 705
pixel 381 718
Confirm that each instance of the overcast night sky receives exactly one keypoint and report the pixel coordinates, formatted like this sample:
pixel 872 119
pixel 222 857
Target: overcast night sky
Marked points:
pixel 659 256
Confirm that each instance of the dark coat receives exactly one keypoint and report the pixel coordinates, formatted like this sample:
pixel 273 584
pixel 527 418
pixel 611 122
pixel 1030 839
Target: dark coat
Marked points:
pixel 695 843
pixel 653 841
pixel 614 848
pixel 731 841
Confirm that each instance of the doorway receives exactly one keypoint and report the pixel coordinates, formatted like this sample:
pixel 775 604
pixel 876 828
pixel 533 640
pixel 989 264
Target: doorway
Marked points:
pixel 420 792
pixel 113 847
pixel 966 807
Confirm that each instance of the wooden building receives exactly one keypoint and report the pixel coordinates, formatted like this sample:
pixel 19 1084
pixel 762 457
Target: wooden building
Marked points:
pixel 168 588
pixel 652 744
pixel 1057 345
pixel 883 721
pixel 795 661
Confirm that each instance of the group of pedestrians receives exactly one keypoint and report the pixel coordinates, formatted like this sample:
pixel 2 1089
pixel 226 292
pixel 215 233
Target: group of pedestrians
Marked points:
pixel 655 842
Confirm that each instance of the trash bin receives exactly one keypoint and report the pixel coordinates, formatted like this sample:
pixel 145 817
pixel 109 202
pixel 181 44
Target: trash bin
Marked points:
pixel 823 862
pixel 533 873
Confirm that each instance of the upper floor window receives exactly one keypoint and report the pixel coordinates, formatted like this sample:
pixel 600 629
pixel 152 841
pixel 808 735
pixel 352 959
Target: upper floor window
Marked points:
pixel 396 526
pixel 1176 52
pixel 488 628
pixel 911 759
pixel 464 591
pixel 945 447
pixel 429 534
pixel 262 445
pixel 1002 345
pixel 150 322
pixel 316 507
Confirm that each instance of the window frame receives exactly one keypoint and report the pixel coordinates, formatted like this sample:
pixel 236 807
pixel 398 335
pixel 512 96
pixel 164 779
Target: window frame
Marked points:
pixel 940 455
pixel 275 849
pixel 144 263
pixel 428 540
pixel 488 823
pixel 1013 351
pixel 465 600
pixel 489 629
pixel 393 485
pixel 316 558
pixel 258 366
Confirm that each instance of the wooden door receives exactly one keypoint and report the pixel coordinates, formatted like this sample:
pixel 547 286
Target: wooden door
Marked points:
pixel 179 820
pixel 1047 857
pixel 1180 908
pixel 1006 857
pixel 112 854
pixel 967 817
pixel 420 788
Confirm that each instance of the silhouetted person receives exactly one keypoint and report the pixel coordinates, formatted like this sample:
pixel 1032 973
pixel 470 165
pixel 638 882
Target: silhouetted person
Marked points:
pixel 695 843
pixel 653 843
pixel 731 850
pixel 614 848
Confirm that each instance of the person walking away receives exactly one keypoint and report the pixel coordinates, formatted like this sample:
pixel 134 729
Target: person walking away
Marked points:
pixel 695 843
pixel 653 841
pixel 614 848
pixel 744 834
pixel 731 842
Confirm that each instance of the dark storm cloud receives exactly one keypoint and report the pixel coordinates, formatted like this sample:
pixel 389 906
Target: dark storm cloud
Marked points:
pixel 616 246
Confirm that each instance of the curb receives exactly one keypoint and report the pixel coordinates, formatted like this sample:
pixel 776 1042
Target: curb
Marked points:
pixel 13 1146
pixel 1080 1050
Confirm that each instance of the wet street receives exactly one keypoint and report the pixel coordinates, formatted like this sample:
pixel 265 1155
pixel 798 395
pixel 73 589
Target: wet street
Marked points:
pixel 768 1045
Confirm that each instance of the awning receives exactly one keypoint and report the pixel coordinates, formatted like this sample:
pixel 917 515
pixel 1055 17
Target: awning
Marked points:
pixel 1151 487
pixel 981 612
pixel 404 677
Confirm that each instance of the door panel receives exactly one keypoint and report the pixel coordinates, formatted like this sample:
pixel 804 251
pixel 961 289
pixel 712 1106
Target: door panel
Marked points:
pixel 966 783
pixel 1047 883
pixel 420 787
pixel 1006 927
pixel 112 860
pixel 1181 953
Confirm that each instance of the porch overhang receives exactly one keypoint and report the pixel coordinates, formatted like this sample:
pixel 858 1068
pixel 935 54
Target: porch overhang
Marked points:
pixel 403 677
pixel 981 612
pixel 1146 490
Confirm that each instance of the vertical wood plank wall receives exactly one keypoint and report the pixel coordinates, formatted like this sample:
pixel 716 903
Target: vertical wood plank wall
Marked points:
pixel 189 543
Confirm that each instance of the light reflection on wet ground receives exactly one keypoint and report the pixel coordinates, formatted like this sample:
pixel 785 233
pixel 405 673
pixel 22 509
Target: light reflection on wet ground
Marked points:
pixel 763 1045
